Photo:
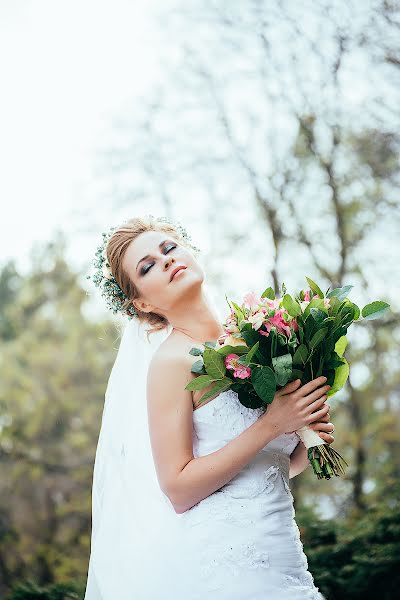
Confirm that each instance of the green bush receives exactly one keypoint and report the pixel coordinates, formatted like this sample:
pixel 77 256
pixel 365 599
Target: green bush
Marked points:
pixel 356 559
pixel 31 591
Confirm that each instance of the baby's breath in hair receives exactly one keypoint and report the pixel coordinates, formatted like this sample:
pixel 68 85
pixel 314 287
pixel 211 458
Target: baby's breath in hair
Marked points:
pixel 103 278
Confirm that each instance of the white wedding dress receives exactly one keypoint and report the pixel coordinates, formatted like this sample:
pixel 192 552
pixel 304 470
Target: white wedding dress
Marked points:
pixel 239 543
pixel 242 541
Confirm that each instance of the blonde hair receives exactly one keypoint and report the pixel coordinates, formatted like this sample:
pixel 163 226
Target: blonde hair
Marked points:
pixel 115 252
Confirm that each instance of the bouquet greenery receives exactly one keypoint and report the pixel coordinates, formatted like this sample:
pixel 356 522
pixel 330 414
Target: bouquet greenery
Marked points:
pixel 269 341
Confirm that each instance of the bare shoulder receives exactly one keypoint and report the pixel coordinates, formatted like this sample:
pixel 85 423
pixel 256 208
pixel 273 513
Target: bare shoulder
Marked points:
pixel 172 356
pixel 170 371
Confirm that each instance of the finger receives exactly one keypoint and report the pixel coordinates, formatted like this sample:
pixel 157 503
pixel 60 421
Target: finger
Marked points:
pixel 318 393
pixel 289 387
pixel 325 419
pixel 319 413
pixel 327 437
pixel 322 426
pixel 317 404
pixel 309 387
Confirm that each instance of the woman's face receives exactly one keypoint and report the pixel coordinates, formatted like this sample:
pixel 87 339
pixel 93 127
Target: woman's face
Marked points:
pixel 150 260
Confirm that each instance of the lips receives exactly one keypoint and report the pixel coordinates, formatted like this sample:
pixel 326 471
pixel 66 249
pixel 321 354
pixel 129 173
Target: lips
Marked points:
pixel 176 270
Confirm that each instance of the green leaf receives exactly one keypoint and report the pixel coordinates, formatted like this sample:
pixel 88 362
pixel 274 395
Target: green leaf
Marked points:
pixel 264 382
pixel 210 344
pixel 283 368
pixel 248 397
pixel 214 363
pixel 198 367
pixel 314 288
pixel 318 314
pixel 246 359
pixel 340 293
pixel 296 374
pixel 318 337
pixel 375 310
pixel 314 303
pixel 301 355
pixel 199 382
pixel 196 351
pixel 334 305
pixel 239 350
pixel 334 361
pixel 238 311
pixel 292 307
pixel 357 312
pixel 340 345
pixel 251 336
pixel 220 386
pixel 341 375
pixel 268 293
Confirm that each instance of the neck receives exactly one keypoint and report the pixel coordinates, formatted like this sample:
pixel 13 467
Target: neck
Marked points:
pixel 197 320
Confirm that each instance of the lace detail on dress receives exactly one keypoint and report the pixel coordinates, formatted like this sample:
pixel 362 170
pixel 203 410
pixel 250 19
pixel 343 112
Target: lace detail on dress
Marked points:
pixel 227 410
pixel 247 528
pixel 235 558
pixel 304 581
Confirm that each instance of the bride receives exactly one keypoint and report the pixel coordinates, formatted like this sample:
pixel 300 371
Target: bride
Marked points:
pixel 190 500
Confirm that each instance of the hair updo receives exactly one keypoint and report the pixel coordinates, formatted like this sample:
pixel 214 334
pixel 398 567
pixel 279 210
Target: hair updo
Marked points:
pixel 115 250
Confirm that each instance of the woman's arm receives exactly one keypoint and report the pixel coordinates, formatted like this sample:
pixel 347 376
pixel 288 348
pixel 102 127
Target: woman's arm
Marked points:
pixel 187 480
pixel 299 459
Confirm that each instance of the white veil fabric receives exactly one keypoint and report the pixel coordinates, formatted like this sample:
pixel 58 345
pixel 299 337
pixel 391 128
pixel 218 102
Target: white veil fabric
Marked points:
pixel 135 540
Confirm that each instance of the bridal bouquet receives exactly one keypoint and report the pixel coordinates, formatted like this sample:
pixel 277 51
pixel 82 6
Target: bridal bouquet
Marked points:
pixel 270 341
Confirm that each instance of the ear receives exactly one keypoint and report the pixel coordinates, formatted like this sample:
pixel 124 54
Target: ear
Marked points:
pixel 142 306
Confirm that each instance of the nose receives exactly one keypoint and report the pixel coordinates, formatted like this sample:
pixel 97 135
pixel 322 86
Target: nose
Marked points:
pixel 169 260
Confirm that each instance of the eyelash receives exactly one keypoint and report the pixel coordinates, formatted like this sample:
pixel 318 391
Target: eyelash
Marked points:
pixel 144 270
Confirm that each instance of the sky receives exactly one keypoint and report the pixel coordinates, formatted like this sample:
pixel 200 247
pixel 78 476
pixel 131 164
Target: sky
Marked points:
pixel 66 68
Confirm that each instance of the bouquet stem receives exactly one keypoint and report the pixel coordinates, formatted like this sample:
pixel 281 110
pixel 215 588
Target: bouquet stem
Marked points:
pixel 324 459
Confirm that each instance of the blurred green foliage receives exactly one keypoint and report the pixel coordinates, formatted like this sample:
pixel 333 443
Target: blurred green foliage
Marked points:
pixel 354 559
pixel 55 365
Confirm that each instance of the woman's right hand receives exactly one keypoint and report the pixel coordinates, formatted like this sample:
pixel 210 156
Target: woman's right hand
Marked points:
pixel 296 405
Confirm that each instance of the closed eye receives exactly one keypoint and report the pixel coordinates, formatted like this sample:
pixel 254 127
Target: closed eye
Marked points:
pixel 167 249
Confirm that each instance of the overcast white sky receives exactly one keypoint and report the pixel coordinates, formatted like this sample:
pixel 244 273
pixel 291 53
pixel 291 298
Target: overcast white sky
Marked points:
pixel 66 67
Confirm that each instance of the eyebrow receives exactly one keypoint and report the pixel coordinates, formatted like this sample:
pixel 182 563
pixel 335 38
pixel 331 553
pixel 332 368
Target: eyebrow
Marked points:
pixel 148 255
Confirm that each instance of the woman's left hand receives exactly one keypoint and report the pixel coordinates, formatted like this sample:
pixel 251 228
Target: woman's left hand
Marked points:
pixel 322 427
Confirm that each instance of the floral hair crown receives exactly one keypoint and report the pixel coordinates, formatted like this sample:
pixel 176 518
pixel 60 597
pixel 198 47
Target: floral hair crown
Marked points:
pixel 103 278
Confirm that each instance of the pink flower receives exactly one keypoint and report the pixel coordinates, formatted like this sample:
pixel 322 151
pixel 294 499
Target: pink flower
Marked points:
pixel 267 326
pixel 307 296
pixel 273 303
pixel 251 300
pixel 256 319
pixel 242 372
pixel 327 302
pixel 239 371
pixel 295 325
pixel 280 323
pixel 222 338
